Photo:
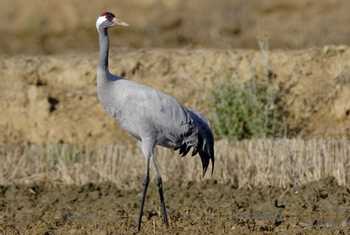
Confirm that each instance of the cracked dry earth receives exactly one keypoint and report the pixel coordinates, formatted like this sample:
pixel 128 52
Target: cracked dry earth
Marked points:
pixel 321 207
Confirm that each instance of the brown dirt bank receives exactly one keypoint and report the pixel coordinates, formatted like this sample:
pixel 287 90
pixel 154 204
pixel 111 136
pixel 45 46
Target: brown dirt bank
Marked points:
pixel 320 207
pixel 50 99
pixel 57 26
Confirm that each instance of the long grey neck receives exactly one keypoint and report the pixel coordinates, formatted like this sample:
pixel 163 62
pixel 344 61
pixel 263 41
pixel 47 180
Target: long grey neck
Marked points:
pixel 104 50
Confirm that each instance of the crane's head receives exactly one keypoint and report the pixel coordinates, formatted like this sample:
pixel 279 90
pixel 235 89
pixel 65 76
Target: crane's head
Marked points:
pixel 108 19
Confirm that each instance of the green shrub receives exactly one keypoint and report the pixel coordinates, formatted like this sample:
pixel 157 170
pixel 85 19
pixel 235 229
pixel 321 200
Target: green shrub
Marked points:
pixel 247 110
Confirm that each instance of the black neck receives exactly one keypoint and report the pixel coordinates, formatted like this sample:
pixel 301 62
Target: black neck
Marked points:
pixel 104 49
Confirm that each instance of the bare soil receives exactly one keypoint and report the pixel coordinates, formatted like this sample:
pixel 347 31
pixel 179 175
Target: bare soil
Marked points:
pixel 52 99
pixel 320 207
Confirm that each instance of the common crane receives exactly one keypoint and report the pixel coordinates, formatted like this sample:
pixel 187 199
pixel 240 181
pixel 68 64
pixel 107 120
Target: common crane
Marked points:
pixel 152 117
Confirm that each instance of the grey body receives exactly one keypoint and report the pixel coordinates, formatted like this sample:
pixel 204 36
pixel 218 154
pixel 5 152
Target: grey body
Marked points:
pixel 152 117
pixel 144 112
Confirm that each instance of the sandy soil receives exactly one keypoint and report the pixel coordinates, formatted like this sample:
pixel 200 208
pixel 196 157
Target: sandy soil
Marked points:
pixel 36 28
pixel 52 99
pixel 195 208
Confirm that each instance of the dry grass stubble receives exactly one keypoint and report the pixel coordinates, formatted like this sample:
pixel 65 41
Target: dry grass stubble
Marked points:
pixel 280 162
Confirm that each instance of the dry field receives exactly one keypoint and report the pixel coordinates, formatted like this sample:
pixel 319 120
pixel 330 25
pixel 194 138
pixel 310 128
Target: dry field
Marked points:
pixel 66 167
pixel 271 186
pixel 280 163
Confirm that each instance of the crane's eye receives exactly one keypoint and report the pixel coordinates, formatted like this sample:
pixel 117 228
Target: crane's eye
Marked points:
pixel 108 15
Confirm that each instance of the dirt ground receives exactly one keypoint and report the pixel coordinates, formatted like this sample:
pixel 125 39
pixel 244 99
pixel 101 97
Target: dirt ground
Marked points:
pixel 195 208
pixel 52 99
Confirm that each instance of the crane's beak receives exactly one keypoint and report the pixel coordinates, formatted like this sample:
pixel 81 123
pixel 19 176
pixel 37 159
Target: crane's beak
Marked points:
pixel 117 21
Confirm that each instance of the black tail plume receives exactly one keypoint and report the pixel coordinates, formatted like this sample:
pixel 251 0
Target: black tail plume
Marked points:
pixel 200 138
pixel 206 150
pixel 205 143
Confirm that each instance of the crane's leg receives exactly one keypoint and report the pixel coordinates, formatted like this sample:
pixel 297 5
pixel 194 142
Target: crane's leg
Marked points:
pixel 160 190
pixel 147 150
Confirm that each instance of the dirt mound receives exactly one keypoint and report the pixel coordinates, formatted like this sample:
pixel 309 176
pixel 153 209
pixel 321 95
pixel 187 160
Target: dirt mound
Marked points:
pixel 52 99
pixel 194 208
pixel 36 28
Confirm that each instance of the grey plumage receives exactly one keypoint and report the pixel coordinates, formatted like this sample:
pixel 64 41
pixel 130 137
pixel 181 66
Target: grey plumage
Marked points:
pixel 147 113
pixel 152 117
